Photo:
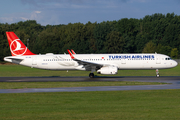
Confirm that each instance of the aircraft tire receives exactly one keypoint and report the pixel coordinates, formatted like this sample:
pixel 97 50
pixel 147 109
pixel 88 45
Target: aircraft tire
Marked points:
pixel 157 75
pixel 91 75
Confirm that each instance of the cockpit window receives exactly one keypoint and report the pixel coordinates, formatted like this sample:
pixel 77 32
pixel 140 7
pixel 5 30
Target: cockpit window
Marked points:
pixel 168 59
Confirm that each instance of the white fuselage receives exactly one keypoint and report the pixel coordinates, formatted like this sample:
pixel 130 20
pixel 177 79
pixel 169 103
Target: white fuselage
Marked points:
pixel 121 61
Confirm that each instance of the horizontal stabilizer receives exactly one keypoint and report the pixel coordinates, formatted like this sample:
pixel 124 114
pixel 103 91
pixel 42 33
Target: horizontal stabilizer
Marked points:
pixel 13 60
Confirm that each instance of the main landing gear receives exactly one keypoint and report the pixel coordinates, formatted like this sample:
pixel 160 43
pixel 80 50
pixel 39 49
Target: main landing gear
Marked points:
pixel 91 75
pixel 157 73
pixel 93 69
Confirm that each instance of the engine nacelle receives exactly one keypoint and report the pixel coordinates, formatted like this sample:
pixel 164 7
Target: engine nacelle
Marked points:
pixel 108 70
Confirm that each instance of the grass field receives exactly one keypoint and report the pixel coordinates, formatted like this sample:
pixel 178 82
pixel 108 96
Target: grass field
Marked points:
pixel 107 105
pixel 18 70
pixel 21 85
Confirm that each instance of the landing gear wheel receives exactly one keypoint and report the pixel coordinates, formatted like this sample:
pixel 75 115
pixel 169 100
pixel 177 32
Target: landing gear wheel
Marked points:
pixel 91 75
pixel 157 73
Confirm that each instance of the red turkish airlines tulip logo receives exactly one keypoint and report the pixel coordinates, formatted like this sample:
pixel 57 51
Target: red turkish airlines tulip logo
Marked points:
pixel 17 48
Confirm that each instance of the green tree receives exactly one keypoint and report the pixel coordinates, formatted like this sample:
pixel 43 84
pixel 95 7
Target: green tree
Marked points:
pixel 150 47
pixel 165 50
pixel 174 53
pixel 101 31
pixel 114 43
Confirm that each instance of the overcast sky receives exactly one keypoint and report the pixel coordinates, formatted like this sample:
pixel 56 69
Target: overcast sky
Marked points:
pixel 55 12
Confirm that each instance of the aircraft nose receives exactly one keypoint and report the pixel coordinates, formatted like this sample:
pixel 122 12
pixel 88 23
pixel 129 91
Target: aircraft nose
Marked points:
pixel 175 63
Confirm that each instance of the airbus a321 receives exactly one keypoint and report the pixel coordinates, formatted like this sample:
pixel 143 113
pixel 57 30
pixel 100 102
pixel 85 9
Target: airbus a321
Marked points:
pixel 102 63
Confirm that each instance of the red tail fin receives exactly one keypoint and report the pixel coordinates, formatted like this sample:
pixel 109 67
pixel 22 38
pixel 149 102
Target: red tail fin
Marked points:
pixel 17 47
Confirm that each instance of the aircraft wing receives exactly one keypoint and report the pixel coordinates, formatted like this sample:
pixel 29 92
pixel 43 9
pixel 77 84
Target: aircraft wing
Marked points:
pixel 88 65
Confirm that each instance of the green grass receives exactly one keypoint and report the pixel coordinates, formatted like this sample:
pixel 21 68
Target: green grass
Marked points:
pixel 18 70
pixel 107 105
pixel 20 85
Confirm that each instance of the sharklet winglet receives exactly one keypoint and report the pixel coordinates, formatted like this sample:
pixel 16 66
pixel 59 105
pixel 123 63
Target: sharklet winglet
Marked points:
pixel 72 57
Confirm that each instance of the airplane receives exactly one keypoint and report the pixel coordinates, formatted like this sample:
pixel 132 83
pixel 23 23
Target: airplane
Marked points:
pixel 108 64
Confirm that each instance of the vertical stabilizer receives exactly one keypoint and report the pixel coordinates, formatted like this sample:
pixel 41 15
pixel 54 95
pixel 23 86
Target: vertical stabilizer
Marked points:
pixel 17 47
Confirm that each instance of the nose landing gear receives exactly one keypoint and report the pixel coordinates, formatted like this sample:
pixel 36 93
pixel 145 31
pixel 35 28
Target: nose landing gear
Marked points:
pixel 157 73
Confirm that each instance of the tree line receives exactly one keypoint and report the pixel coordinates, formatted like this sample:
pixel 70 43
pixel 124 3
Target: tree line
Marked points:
pixel 154 33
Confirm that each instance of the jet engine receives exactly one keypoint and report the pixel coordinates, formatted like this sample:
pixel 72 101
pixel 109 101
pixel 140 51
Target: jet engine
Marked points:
pixel 108 70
